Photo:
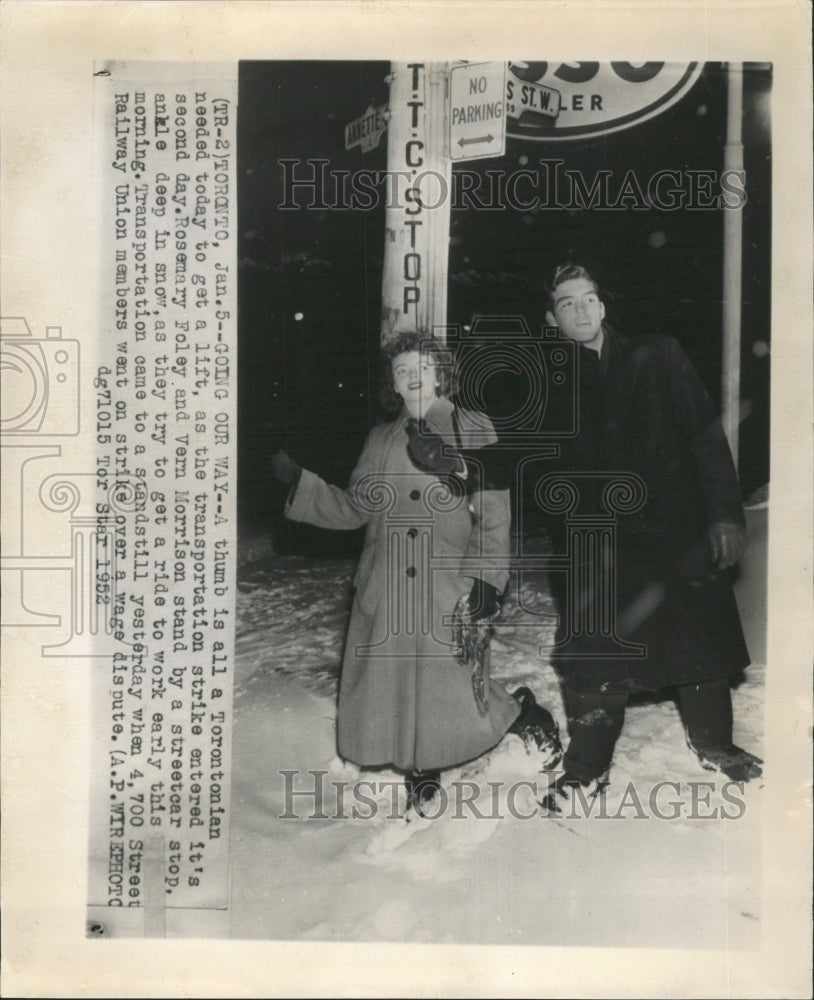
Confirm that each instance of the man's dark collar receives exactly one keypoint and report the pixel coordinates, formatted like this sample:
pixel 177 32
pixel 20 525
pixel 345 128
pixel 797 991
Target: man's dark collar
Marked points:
pixel 603 355
pixel 605 350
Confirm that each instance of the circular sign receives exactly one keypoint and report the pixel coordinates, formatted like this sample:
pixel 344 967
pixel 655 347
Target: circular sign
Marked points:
pixel 555 101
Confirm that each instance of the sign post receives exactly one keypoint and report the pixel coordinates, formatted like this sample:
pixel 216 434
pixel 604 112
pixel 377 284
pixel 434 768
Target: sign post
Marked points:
pixel 416 244
pixel 733 262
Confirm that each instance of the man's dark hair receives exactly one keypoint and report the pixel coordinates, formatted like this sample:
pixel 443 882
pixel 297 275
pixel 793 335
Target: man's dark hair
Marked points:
pixel 567 272
pixel 423 342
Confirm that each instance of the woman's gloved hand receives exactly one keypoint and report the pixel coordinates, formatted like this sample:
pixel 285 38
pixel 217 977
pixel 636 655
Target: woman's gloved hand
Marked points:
pixel 488 468
pixel 430 453
pixel 285 469
pixel 482 601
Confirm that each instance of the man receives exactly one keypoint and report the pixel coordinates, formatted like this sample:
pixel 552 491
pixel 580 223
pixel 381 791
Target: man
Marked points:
pixel 646 420
pixel 647 429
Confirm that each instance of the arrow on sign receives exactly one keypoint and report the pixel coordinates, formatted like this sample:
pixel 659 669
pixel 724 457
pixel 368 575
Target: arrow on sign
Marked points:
pixel 481 138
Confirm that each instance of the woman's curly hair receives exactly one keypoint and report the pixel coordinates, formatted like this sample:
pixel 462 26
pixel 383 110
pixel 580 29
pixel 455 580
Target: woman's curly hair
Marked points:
pixel 423 342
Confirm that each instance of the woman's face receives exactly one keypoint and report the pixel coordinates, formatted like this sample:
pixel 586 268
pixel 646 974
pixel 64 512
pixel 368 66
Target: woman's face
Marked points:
pixel 416 378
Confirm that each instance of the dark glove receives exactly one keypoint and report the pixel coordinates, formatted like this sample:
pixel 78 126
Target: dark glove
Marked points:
pixel 489 468
pixel 482 601
pixel 430 453
pixel 285 469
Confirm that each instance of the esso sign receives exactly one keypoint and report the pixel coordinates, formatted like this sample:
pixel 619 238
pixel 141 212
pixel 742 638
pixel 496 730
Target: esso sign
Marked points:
pixel 553 101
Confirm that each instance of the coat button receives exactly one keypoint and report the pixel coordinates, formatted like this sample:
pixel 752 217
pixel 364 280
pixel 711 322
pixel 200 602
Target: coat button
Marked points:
pixel 411 533
pixel 410 571
pixel 415 494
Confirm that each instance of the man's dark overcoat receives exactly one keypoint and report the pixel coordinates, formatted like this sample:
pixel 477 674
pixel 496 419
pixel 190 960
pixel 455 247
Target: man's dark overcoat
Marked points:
pixel 647 423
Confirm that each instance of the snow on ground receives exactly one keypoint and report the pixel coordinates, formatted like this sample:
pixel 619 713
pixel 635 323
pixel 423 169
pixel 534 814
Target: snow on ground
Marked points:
pixel 495 871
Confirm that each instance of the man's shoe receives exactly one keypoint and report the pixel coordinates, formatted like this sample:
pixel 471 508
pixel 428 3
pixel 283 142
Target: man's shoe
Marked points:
pixel 731 760
pixel 535 724
pixel 560 791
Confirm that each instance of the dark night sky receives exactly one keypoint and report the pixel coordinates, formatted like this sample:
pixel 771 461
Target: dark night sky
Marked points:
pixel 310 383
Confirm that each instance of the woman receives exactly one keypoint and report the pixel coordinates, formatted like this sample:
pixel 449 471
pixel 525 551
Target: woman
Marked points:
pixel 404 698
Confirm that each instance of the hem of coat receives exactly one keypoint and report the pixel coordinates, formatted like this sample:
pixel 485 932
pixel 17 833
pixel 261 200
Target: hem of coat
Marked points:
pixel 634 685
pixel 415 768
pixel 435 764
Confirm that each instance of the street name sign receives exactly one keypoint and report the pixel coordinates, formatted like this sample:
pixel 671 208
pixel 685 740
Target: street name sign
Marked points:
pixel 533 97
pixel 366 130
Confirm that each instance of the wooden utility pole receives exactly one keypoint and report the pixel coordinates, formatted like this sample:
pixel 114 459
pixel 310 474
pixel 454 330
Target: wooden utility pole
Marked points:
pixel 733 260
pixel 416 251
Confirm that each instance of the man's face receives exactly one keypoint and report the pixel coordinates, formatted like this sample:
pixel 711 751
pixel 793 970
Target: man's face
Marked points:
pixel 578 312
pixel 415 378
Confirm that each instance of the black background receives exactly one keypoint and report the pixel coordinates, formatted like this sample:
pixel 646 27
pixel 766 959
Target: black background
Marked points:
pixel 310 384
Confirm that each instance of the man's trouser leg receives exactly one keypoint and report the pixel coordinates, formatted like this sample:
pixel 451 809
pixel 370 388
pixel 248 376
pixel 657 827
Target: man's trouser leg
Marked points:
pixel 706 709
pixel 594 723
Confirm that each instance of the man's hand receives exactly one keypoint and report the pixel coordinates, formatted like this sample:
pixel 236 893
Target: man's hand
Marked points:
pixel 285 469
pixel 430 453
pixel 727 542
